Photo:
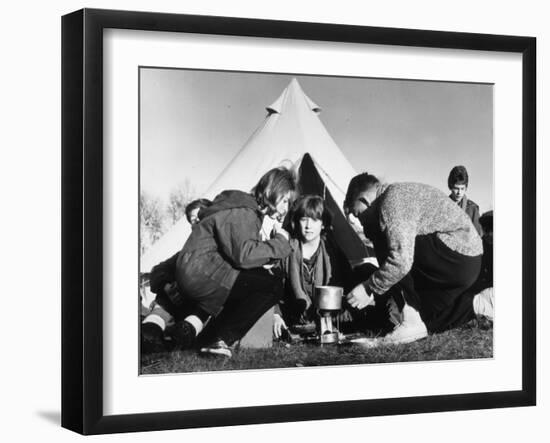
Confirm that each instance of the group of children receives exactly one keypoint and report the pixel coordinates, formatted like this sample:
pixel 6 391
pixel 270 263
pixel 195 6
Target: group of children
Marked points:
pixel 232 269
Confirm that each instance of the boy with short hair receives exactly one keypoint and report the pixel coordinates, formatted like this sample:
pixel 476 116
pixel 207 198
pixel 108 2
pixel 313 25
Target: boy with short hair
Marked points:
pixel 458 185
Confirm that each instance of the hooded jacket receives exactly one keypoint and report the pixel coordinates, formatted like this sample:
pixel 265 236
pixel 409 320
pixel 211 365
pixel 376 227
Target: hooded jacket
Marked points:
pixel 225 241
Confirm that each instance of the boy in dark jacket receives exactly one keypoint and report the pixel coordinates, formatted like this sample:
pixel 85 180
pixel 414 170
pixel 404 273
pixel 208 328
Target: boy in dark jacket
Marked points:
pixel 458 185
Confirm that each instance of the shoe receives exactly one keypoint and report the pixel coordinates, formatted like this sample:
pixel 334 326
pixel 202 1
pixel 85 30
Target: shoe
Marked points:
pixel 484 303
pixel 152 340
pixel 412 328
pixel 217 348
pixel 183 335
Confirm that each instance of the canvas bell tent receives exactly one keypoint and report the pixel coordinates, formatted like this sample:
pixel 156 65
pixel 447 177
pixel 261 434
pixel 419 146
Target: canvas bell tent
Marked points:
pixel 291 135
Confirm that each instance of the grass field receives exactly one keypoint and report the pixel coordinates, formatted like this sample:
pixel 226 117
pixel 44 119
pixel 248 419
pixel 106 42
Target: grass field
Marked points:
pixel 472 341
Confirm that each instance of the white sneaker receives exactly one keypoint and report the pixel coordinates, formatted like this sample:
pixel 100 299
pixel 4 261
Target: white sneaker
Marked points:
pixel 218 348
pixel 412 328
pixel 484 303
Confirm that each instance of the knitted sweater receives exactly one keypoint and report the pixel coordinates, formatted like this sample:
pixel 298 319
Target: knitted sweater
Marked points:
pixel 400 213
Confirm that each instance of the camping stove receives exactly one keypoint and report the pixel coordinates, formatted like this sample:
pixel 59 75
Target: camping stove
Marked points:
pixel 328 304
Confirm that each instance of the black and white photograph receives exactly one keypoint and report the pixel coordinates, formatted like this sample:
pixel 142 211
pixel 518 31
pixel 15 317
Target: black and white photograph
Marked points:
pixel 294 221
pixel 225 221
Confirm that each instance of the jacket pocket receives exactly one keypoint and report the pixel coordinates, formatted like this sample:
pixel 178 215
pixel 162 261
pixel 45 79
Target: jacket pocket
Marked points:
pixel 209 265
pixel 221 271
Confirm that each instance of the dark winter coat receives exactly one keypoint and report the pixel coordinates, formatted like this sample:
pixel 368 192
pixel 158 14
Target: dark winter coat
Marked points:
pixel 472 210
pixel 162 274
pixel 226 240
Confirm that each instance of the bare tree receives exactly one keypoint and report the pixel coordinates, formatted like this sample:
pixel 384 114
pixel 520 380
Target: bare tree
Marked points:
pixel 179 198
pixel 152 220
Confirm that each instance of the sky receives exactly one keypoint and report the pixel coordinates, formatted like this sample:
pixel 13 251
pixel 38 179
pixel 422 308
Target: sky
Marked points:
pixel 193 123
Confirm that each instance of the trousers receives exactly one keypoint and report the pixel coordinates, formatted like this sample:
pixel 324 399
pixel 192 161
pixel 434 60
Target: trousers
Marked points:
pixel 253 293
pixel 438 284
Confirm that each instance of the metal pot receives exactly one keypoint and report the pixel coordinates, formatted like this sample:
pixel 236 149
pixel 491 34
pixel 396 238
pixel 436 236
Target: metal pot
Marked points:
pixel 328 298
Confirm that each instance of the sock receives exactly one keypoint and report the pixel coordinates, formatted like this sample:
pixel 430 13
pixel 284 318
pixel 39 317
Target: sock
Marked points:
pixel 196 322
pixel 159 316
pixel 155 319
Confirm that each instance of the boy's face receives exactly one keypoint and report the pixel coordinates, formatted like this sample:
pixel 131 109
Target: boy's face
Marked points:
pixel 358 207
pixel 458 191
pixel 310 229
pixel 362 202
pixel 194 216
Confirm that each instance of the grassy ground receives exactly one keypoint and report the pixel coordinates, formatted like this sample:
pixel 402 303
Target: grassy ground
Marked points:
pixel 472 341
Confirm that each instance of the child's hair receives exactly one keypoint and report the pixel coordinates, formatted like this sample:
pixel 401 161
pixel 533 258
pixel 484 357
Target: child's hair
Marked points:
pixel 458 176
pixel 312 206
pixel 200 203
pixel 273 185
pixel 359 184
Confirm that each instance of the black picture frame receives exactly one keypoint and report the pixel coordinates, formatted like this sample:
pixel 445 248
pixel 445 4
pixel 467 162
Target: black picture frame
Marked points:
pixel 82 218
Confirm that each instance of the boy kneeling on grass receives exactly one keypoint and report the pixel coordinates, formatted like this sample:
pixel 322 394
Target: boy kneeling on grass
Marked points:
pixel 430 256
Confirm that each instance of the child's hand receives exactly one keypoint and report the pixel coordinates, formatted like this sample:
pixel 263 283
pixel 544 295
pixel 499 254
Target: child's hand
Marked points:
pixel 358 298
pixel 279 326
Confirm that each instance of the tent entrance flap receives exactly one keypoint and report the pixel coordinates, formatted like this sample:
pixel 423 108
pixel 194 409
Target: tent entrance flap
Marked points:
pixel 310 182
